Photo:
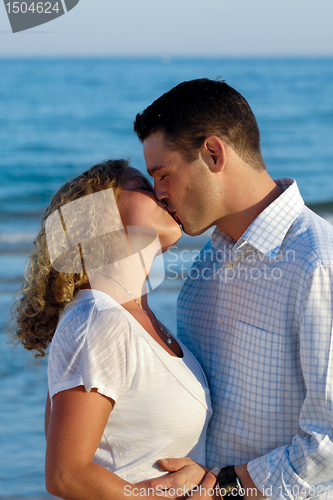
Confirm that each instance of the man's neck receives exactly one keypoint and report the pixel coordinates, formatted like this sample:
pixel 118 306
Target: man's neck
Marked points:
pixel 251 203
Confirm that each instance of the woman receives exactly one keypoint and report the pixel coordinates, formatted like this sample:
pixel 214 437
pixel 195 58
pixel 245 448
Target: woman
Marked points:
pixel 124 391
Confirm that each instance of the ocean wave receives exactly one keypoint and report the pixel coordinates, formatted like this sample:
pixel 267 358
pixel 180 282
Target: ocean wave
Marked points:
pixel 9 280
pixel 13 238
pixel 33 216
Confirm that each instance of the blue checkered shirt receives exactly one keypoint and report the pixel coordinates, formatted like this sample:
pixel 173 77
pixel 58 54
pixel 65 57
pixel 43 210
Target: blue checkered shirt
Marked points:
pixel 257 314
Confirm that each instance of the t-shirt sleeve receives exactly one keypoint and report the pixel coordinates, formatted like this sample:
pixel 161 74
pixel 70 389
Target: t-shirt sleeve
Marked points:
pixel 93 348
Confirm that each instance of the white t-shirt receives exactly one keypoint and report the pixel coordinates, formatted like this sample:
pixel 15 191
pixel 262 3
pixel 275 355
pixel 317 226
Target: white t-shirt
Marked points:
pixel 162 403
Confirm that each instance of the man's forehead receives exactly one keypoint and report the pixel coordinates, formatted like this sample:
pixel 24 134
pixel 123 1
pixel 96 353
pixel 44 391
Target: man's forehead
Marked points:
pixel 155 146
pixel 157 154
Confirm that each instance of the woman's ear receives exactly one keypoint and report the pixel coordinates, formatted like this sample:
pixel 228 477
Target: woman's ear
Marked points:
pixel 213 152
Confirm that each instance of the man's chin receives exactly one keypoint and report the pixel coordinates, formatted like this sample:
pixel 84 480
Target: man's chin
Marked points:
pixel 194 231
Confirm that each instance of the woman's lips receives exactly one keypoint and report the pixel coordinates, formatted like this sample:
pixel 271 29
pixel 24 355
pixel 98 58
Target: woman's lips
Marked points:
pixel 173 215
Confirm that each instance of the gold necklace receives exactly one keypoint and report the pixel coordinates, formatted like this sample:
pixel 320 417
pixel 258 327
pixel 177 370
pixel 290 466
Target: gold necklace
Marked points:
pixel 158 323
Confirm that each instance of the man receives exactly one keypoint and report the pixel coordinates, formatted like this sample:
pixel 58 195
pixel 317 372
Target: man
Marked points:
pixel 256 308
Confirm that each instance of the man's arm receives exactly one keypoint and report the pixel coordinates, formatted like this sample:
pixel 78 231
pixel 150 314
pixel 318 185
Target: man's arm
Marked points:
pixel 303 467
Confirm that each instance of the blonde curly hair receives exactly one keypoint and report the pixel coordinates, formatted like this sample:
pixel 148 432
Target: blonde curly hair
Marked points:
pixel 46 291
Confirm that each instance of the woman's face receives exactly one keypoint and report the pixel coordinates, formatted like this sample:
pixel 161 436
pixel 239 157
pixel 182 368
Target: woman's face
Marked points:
pixel 139 207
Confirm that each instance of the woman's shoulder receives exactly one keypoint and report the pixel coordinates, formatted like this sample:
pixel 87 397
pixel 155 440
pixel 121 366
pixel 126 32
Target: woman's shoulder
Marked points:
pixel 92 304
pixel 93 346
pixel 92 316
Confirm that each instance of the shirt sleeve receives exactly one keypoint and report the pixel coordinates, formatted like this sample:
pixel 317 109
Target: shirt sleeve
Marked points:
pixel 94 349
pixel 304 468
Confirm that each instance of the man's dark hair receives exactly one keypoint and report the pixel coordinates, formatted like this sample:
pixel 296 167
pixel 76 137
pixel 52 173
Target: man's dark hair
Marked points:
pixel 193 110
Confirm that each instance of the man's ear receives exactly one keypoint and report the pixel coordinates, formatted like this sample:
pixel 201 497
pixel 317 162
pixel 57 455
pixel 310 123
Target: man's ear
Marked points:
pixel 213 153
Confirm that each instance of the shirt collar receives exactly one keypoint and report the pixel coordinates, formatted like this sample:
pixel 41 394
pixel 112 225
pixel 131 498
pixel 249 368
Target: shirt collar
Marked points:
pixel 267 231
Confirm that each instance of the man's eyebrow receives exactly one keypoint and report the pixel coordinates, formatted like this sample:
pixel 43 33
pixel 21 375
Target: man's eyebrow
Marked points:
pixel 152 170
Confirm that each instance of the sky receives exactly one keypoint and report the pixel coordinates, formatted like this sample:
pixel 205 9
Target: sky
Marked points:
pixel 167 28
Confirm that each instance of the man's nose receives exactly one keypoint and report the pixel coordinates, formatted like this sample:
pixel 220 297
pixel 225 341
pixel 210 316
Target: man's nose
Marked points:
pixel 160 192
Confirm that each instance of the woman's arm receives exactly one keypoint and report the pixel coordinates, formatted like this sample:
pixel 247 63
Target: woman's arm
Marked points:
pixel 76 426
pixel 75 429
pixel 47 414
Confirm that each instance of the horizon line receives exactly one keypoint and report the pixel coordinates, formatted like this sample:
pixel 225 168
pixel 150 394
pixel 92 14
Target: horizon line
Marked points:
pixel 169 57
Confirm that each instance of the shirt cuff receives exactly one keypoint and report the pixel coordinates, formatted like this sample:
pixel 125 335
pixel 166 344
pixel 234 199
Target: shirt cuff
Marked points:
pixel 275 477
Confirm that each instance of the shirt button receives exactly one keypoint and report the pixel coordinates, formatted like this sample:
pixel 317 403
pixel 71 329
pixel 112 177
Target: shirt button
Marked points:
pixel 220 321
pixel 214 373
pixel 230 265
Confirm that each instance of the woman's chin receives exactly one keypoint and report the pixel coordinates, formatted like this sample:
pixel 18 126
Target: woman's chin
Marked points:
pixel 171 239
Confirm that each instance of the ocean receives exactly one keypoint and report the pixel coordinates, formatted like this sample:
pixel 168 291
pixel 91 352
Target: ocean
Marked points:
pixel 58 117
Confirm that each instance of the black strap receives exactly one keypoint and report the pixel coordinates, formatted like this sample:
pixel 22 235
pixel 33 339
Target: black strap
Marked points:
pixel 227 475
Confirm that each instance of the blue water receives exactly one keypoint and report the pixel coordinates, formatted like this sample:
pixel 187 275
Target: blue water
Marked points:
pixel 60 116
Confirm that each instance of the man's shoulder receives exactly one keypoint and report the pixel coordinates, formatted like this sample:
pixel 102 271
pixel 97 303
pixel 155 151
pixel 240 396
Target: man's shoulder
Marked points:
pixel 315 236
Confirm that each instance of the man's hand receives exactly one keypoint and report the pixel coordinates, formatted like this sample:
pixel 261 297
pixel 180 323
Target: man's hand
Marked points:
pixel 185 474
pixel 207 489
